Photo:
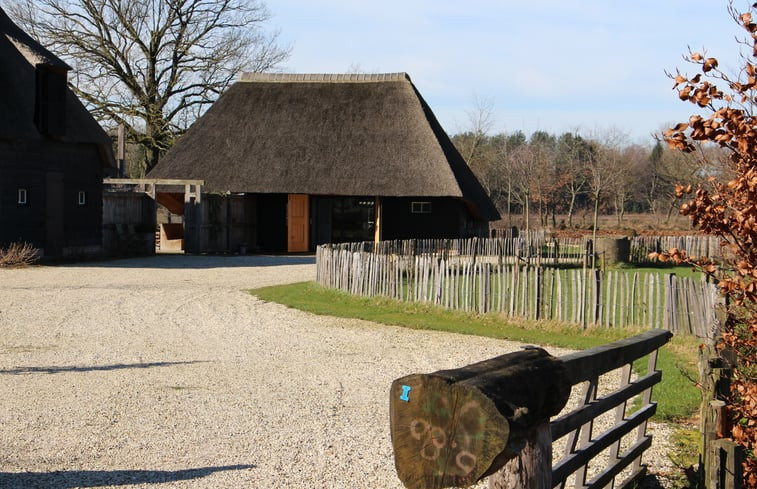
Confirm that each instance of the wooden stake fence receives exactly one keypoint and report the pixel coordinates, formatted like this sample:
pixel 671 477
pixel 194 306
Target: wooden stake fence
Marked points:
pixel 580 296
pixel 536 249
pixel 695 246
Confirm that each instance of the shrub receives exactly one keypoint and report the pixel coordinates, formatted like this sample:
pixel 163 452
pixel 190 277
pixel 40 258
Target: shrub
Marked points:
pixel 18 254
pixel 725 207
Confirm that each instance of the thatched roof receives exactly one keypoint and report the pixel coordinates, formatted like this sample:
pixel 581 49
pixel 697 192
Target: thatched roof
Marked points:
pixel 19 57
pixel 324 135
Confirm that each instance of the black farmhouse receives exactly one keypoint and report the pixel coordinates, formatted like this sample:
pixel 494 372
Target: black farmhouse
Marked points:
pixel 52 152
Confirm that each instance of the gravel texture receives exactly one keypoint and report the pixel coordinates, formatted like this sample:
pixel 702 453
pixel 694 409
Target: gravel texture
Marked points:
pixel 164 372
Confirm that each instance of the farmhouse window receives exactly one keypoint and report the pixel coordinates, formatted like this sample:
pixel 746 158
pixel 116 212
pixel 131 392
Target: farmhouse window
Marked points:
pixel 22 196
pixel 82 197
pixel 420 207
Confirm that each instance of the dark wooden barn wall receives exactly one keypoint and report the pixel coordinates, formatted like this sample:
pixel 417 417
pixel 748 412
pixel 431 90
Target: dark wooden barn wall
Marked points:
pixel 129 223
pixel 229 222
pixel 448 218
pixel 33 166
pixel 259 221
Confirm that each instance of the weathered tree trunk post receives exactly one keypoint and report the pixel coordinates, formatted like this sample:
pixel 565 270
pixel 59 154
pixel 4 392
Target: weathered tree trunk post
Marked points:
pixel 455 427
pixel 721 458
pixel 532 468
pixel 724 470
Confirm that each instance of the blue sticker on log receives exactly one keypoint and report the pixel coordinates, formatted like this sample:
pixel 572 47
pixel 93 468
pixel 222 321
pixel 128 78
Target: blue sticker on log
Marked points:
pixel 405 392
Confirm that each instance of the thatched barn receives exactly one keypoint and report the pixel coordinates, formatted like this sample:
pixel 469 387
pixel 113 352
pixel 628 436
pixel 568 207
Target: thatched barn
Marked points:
pixel 52 152
pixel 291 161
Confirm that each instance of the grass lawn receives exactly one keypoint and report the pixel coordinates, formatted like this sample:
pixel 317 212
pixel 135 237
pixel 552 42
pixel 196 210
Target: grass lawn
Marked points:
pixel 676 395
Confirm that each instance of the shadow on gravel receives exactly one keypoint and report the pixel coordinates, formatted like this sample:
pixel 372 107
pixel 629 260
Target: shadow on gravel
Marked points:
pixel 177 261
pixel 94 368
pixel 69 479
pixel 650 481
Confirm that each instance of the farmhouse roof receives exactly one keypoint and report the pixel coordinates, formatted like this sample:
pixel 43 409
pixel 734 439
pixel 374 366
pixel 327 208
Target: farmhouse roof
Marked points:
pixel 20 55
pixel 324 134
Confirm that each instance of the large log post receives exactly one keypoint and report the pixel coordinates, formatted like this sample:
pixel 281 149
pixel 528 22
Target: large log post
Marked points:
pixel 455 427
pixel 532 468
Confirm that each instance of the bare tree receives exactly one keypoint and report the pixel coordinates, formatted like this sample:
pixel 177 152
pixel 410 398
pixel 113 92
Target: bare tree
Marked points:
pixel 547 180
pixel 667 167
pixel 152 65
pixel 627 184
pixel 572 157
pixel 521 161
pixel 603 168
pixel 472 143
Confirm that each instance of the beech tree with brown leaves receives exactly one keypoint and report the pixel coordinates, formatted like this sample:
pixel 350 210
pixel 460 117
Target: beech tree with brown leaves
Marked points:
pixel 727 208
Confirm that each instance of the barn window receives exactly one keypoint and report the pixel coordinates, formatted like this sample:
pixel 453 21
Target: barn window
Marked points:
pixel 82 197
pixel 420 207
pixel 22 196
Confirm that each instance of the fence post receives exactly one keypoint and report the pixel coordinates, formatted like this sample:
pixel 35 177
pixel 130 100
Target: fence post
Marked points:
pixel 724 469
pixel 532 468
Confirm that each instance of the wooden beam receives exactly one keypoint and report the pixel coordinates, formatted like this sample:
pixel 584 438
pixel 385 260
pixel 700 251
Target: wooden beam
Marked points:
pixel 586 364
pixel 151 181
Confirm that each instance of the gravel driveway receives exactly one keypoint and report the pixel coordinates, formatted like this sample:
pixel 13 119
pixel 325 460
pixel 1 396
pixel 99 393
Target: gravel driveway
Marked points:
pixel 164 372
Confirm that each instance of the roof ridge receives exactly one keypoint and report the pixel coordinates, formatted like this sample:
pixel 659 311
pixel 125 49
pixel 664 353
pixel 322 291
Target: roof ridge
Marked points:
pixel 32 50
pixel 324 77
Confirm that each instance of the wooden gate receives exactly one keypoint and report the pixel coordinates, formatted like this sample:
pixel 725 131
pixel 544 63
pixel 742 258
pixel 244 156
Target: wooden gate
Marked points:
pixel 455 427
pixel 54 216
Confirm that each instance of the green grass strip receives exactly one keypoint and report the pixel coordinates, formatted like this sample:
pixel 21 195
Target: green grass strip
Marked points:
pixel 676 395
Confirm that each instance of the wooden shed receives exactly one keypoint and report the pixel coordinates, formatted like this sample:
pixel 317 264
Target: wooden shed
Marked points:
pixel 291 161
pixel 53 154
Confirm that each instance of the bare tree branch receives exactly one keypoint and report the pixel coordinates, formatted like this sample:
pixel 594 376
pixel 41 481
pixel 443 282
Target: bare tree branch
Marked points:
pixel 153 65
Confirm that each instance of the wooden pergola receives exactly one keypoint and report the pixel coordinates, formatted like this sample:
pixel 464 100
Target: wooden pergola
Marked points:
pixel 191 208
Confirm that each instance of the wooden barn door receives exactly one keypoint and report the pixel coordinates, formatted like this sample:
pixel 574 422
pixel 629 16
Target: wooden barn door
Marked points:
pixel 54 214
pixel 298 223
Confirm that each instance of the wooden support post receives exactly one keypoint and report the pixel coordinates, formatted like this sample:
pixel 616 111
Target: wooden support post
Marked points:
pixel 189 221
pixel 193 217
pixel 532 468
pixel 724 469
pixel 379 214
pixel 454 427
pixel 121 151
pixel 198 218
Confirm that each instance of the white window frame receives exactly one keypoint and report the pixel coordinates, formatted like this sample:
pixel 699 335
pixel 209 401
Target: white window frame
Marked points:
pixel 23 196
pixel 82 197
pixel 420 207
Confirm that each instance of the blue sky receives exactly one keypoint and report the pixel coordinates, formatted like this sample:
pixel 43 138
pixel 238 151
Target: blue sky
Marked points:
pixel 585 65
